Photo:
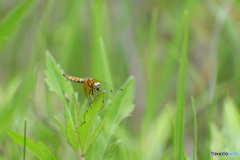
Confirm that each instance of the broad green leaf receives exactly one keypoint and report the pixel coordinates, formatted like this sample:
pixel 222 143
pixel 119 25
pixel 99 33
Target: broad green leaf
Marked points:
pixel 59 84
pixel 95 133
pixel 39 149
pixel 11 22
pixel 62 127
pixel 84 131
pixel 72 136
pixel 120 107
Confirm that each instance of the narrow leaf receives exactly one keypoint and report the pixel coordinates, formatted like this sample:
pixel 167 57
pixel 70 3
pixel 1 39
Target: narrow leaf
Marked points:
pixel 39 149
pixel 95 133
pixel 72 136
pixel 151 111
pixel 25 139
pixel 75 111
pixel 62 127
pixel 178 135
pixel 195 129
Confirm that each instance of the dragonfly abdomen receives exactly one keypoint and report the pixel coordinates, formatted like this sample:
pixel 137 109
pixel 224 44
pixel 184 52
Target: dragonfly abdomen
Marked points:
pixel 75 79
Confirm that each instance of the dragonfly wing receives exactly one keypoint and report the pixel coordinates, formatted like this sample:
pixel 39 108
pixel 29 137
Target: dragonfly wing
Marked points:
pixel 104 86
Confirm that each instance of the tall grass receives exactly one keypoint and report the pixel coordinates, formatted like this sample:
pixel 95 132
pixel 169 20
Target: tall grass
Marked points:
pixel 179 130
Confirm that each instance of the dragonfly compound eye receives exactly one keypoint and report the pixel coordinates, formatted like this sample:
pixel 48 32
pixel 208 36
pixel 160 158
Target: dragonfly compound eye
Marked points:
pixel 97 85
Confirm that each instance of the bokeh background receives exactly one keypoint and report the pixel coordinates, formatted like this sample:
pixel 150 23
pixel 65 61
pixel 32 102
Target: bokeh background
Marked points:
pixel 142 38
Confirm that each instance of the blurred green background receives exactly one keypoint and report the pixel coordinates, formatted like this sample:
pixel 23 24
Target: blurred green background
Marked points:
pixel 141 38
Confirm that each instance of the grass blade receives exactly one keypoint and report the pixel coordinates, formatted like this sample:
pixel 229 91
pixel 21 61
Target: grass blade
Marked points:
pixel 152 70
pixel 195 129
pixel 107 73
pixel 178 135
pixel 25 139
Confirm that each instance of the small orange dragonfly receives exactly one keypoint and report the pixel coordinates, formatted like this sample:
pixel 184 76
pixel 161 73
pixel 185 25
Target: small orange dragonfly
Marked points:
pixel 91 86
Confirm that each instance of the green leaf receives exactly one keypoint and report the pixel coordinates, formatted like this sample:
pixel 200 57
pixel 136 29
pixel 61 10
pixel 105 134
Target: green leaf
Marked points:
pixel 62 127
pixel 39 149
pixel 59 85
pixel 95 133
pixel 120 107
pixel 72 136
pixel 84 131
pixel 55 79
pixel 115 111
pixel 75 112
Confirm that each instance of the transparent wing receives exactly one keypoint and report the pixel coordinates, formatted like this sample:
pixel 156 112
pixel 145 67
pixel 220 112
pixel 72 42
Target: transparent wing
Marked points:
pixel 104 86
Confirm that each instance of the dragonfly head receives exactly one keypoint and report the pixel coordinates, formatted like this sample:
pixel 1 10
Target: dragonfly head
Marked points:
pixel 97 85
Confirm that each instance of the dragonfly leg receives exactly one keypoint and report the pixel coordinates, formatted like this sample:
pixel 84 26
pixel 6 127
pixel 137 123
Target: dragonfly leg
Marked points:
pixel 89 99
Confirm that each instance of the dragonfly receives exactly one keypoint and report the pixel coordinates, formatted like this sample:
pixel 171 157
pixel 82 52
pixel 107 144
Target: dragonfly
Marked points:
pixel 91 86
